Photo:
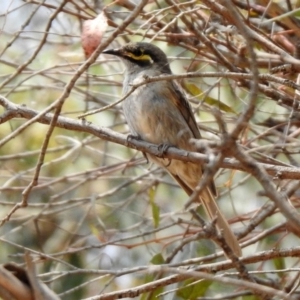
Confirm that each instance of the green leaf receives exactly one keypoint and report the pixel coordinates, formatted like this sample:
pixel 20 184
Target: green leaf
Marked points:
pixel 198 93
pixel 251 298
pixel 193 291
pixel 154 207
pixel 154 295
pixel 279 263
pixel 157 259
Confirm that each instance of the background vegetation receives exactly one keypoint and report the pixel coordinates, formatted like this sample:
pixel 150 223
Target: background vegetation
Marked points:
pixel 96 218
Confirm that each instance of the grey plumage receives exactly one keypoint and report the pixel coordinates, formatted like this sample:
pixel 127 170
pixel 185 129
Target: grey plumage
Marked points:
pixel 159 113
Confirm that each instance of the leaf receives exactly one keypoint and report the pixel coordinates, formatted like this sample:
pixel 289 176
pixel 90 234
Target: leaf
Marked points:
pixel 193 291
pixel 153 295
pixel 154 207
pixel 279 263
pixel 92 34
pixel 197 93
pixel 157 259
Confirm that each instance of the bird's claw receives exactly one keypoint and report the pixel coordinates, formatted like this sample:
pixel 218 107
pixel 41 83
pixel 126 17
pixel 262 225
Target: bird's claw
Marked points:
pixel 136 137
pixel 162 149
pixel 132 137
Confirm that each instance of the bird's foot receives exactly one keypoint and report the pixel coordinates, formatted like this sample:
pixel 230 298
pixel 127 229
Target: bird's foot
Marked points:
pixel 136 137
pixel 132 137
pixel 162 149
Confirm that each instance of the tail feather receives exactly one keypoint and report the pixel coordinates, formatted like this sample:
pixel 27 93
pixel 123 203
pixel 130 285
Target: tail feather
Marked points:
pixel 213 211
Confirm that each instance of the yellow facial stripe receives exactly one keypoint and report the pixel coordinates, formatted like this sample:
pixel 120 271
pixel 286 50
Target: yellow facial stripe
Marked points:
pixel 143 57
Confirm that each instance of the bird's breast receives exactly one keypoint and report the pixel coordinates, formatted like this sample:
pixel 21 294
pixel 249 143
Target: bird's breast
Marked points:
pixel 151 116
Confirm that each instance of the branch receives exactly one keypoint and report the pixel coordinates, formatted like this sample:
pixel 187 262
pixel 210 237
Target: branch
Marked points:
pixel 20 111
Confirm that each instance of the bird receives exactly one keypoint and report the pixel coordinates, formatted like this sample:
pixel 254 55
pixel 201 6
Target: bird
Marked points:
pixel 159 113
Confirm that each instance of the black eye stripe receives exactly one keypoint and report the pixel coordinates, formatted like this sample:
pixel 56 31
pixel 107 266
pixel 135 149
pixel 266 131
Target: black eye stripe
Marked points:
pixel 138 52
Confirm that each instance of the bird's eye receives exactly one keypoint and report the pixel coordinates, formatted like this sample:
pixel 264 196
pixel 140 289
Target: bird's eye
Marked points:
pixel 138 52
pixel 138 55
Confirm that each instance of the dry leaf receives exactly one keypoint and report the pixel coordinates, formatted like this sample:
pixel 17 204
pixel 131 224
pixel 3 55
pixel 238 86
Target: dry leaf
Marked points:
pixel 92 34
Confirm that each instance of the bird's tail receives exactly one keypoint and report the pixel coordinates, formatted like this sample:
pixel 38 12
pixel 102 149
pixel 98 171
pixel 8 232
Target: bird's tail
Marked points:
pixel 213 211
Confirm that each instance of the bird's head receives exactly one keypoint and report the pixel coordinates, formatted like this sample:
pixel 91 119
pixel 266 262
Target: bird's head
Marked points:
pixel 141 56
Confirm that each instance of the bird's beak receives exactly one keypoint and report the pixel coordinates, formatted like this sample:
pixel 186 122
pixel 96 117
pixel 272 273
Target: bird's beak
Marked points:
pixel 116 52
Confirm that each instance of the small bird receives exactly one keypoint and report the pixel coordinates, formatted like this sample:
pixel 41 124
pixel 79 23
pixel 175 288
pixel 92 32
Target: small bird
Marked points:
pixel 159 113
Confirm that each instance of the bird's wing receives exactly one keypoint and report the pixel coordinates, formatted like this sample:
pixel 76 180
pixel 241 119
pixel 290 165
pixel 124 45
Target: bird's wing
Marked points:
pixel 207 197
pixel 180 101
